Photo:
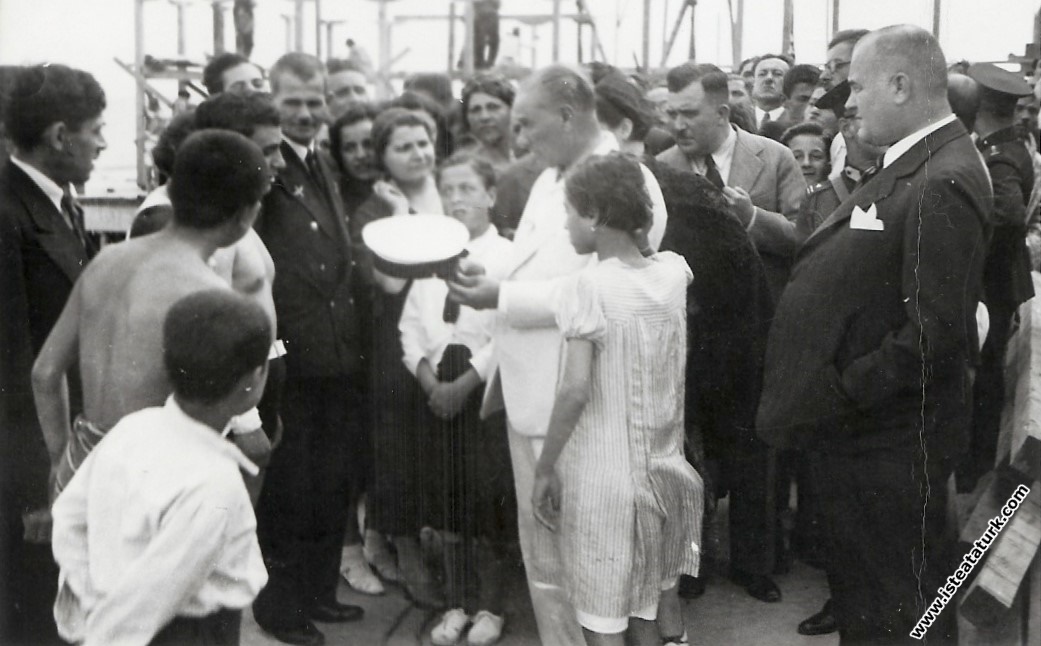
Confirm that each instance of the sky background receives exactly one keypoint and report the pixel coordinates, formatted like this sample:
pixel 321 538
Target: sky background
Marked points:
pixel 88 34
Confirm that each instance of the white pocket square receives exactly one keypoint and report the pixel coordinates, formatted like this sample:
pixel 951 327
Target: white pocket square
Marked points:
pixel 866 220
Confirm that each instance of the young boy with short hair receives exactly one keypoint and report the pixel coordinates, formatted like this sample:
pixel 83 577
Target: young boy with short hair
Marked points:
pixel 155 534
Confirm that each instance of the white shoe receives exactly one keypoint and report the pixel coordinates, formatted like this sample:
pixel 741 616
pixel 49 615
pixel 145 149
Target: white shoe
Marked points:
pixel 679 641
pixel 357 572
pixel 486 630
pixel 379 557
pixel 450 629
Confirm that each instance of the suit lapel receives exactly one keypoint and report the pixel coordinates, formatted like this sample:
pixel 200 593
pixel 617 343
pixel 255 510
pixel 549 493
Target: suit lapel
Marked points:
pixel 881 185
pixel 59 242
pixel 746 165
pixel 297 183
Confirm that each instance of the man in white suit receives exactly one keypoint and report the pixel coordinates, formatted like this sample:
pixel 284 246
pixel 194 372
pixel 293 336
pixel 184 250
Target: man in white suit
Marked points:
pixel 555 117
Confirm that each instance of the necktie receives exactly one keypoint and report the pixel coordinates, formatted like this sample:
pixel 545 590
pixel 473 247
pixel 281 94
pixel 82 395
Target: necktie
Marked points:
pixel 866 176
pixel 315 171
pixel 712 173
pixel 766 120
pixel 73 215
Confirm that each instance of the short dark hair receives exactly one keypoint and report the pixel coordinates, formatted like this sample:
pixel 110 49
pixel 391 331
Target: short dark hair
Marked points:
pixel 800 74
pixel 442 134
pixel 847 36
pixel 170 139
pixel 42 95
pixel 713 80
pixel 435 84
pixel 303 66
pixel 617 99
pixel 742 115
pixel 239 113
pixel 804 128
pixel 613 187
pixel 564 86
pixel 387 122
pixel 211 340
pixel 358 111
pixel 781 57
pixel 216 173
pixel 212 74
pixel 480 165
pixel 751 59
pixel 495 85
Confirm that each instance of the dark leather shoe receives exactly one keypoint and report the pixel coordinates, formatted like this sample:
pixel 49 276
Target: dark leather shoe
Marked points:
pixel 334 612
pixel 424 595
pixel 304 635
pixel 821 623
pixel 691 587
pixel 758 586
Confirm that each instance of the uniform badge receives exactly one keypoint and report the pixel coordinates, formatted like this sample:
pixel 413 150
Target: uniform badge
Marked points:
pixel 298 191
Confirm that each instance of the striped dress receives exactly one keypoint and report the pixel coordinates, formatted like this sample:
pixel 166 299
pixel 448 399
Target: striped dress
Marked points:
pixel 631 505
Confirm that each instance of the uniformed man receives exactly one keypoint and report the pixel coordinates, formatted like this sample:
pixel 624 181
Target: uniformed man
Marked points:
pixel 861 157
pixel 1006 275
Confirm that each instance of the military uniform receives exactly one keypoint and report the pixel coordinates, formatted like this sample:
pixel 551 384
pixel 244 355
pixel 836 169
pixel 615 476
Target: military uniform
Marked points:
pixel 1006 272
pixel 823 198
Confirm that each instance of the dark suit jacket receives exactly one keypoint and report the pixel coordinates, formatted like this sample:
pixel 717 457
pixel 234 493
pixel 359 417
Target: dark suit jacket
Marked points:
pixel 314 300
pixel 875 334
pixel 40 259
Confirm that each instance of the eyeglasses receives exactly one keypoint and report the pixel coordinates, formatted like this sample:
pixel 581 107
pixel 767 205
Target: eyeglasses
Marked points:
pixel 834 66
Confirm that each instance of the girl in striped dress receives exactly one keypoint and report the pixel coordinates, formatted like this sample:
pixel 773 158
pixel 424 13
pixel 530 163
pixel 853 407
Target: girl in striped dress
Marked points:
pixel 615 496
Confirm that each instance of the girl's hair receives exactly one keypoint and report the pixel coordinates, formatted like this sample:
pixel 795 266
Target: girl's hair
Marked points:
pixel 390 120
pixel 361 111
pixel 479 165
pixel 612 188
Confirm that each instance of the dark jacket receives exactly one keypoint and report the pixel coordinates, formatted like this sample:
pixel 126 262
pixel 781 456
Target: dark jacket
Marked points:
pixel 313 289
pixel 875 334
pixel 728 306
pixel 40 260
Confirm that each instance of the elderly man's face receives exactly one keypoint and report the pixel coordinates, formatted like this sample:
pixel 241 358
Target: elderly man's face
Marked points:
pixel 769 80
pixel 836 69
pixel 539 127
pixel 344 89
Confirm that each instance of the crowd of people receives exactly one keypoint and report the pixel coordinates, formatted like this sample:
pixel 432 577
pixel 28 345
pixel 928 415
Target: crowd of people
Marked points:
pixel 676 289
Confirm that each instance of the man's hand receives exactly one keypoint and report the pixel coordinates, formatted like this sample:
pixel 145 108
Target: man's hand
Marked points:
pixel 37 524
pixel 471 286
pixel 741 202
pixel 447 399
pixel 255 445
pixel 545 499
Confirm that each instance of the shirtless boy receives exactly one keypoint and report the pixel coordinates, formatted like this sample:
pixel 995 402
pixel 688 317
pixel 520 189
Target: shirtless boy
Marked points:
pixel 114 317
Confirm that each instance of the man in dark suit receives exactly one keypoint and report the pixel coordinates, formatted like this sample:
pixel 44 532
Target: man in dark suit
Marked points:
pixel 302 513
pixel 871 351
pixel 759 174
pixel 53 118
pixel 768 91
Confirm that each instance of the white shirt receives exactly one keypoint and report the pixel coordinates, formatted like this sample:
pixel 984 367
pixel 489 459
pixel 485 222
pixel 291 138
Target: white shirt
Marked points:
pixel 155 524
pixel 775 114
pixel 424 332
pixel 838 156
pixel 300 149
pixel 899 148
pixel 723 157
pixel 49 187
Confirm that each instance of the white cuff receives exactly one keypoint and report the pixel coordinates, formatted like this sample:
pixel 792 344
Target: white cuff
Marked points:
pixel 755 214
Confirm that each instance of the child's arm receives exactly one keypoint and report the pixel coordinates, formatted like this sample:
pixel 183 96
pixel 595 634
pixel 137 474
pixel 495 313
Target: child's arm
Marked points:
pixel 572 396
pixel 174 566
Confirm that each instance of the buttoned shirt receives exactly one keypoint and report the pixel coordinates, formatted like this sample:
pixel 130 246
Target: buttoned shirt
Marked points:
pixel 300 149
pixel 905 144
pixel 156 524
pixel 775 114
pixel 424 332
pixel 723 157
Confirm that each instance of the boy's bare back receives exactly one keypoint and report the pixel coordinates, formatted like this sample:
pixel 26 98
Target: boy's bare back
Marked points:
pixel 123 299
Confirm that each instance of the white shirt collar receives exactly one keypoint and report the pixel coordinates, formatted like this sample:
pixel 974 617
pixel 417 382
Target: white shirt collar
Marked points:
pixel 51 189
pixel 300 149
pixel 723 156
pixel 208 436
pixel 899 148
pixel 607 144
pixel 775 114
pixel 482 240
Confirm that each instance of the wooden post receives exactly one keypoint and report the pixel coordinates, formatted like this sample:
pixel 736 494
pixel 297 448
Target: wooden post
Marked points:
pixel 218 27
pixel 180 28
pixel 298 26
pixel 318 28
pixel 834 17
pixel 692 54
pixel 139 94
pixel 556 30
pixel 737 33
pixel 936 19
pixel 468 47
pixel 451 38
pixel 287 21
pixel 646 60
pixel 788 25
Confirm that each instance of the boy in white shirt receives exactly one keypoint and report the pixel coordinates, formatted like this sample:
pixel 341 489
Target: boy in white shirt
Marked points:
pixel 451 362
pixel 155 534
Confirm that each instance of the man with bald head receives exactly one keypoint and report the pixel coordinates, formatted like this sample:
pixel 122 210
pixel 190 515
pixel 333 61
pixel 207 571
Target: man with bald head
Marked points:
pixel 869 358
pixel 964 96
